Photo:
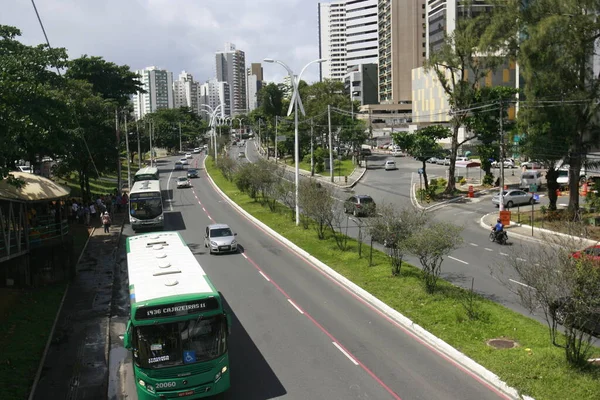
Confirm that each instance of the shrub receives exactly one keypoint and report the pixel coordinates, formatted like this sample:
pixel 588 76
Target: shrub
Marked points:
pixel 463 181
pixel 488 180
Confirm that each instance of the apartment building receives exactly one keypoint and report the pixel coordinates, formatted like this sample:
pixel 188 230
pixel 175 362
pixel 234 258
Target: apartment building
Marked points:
pixel 158 84
pixel 231 68
pixel 186 92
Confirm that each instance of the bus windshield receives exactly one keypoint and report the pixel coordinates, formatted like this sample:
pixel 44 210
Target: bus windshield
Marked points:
pixel 145 177
pixel 179 343
pixel 145 205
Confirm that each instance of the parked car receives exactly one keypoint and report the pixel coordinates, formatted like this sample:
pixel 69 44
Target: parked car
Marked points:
pixel 390 165
pixel 24 168
pixel 444 161
pixel 433 160
pixel 192 173
pixel 462 158
pixel 219 238
pixel 532 165
pixel 513 198
pixel 592 253
pixel 360 204
pixel 529 178
pixel 563 314
pixel 183 182
pixel 188 155
pixel 508 163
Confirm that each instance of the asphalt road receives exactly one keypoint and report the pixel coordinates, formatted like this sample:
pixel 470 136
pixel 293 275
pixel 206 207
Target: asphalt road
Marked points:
pixel 296 333
pixel 471 263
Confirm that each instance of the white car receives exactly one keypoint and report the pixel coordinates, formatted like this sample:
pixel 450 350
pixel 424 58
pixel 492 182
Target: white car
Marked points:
pixel 390 165
pixel 508 163
pixel 188 155
pixel 197 150
pixel 184 161
pixel 183 182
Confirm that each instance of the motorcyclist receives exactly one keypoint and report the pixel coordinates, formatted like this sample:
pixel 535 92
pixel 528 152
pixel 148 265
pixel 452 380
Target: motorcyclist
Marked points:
pixel 498 228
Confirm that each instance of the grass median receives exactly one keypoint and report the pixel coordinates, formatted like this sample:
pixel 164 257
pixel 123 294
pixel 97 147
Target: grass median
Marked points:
pixel 535 367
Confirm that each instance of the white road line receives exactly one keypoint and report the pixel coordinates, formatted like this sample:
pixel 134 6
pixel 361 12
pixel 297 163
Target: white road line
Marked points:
pixel 245 256
pixel 474 244
pixel 503 254
pixel 345 353
pixel 521 283
pixel 264 276
pixel 295 306
pixel 488 249
pixel 203 209
pixel 521 259
pixel 171 199
pixel 456 259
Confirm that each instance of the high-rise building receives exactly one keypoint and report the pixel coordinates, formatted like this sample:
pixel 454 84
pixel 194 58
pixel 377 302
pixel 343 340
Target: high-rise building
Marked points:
pixel 332 39
pixel 360 83
pixel 231 68
pixel 255 83
pixel 362 46
pixel 401 48
pixel 287 87
pixel 214 93
pixel 158 84
pixel 441 17
pixel 186 92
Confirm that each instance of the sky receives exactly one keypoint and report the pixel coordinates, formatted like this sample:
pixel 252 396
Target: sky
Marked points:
pixel 175 34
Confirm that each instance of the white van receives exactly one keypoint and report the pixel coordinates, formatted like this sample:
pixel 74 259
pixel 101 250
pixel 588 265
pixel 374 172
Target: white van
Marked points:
pixel 529 178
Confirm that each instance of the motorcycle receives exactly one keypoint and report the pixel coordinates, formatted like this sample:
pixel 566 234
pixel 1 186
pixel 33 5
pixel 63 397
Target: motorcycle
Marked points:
pixel 500 238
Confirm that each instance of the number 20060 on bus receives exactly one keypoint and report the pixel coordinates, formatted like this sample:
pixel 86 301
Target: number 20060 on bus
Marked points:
pixel 178 330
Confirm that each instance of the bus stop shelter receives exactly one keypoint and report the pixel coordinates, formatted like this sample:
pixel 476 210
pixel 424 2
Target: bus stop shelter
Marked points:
pixel 465 166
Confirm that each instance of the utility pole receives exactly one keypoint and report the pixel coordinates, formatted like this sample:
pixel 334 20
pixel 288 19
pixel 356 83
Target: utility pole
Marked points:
pixel 137 128
pixel 180 148
pixel 128 156
pixel 330 142
pixel 276 117
pixel 118 153
pixel 501 206
pixel 151 149
pixel 312 150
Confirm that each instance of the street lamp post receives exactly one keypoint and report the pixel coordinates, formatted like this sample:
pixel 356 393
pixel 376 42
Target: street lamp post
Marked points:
pixel 295 103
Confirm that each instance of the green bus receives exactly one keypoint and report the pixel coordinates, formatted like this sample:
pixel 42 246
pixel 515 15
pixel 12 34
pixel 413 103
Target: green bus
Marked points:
pixel 146 174
pixel 178 329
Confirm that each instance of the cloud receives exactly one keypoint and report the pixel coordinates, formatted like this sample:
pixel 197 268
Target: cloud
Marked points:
pixel 175 34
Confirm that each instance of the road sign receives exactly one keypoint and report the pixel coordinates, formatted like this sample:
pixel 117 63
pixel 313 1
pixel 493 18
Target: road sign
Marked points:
pixel 536 197
pixel 420 171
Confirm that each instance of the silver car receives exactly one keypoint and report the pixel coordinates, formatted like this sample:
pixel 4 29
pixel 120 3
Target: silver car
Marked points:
pixel 220 239
pixel 513 198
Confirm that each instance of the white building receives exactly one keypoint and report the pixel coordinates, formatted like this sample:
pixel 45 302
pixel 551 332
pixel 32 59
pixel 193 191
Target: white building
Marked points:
pixel 231 68
pixel 186 92
pixel 254 82
pixel 332 40
pixel 214 93
pixel 362 46
pixel 287 87
pixel 158 84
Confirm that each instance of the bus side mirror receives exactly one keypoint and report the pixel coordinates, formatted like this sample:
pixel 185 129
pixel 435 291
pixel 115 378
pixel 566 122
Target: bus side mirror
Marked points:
pixel 228 317
pixel 127 336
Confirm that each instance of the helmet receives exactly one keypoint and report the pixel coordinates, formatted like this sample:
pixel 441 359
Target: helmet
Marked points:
pixel 498 220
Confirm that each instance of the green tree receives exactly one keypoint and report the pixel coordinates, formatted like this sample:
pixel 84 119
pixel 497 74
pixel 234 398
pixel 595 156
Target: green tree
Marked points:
pixel 34 112
pixel 460 65
pixel 423 144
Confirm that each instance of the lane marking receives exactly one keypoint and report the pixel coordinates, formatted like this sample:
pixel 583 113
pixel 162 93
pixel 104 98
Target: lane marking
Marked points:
pixel 474 244
pixel 488 249
pixel 244 255
pixel 170 201
pixel 521 283
pixel 521 259
pixel 203 209
pixel 345 353
pixel 456 259
pixel 296 307
pixel 266 277
pixel 366 304
pixel 503 254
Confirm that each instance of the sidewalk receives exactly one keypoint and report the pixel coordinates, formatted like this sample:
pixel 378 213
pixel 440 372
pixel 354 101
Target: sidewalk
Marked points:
pixel 76 363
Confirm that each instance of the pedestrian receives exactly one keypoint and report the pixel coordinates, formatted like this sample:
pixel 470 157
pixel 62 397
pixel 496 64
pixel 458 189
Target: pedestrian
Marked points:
pixel 92 211
pixel 106 221
pixel 86 215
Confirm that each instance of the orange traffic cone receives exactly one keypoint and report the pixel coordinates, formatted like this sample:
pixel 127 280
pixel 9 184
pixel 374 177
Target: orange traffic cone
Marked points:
pixel 584 189
pixel 557 192
pixel 505 187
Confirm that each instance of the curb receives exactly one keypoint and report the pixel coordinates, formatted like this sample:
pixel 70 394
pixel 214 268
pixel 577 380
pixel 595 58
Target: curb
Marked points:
pixel 431 340
pixel 541 231
pixel 38 373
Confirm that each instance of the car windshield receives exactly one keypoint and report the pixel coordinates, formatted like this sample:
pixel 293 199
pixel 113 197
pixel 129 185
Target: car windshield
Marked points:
pixel 192 171
pixel 220 232
pixel 364 200
pixel 179 343
pixel 182 179
pixel 563 174
pixel 147 207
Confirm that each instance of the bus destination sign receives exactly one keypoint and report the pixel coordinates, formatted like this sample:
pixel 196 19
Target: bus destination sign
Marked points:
pixel 177 309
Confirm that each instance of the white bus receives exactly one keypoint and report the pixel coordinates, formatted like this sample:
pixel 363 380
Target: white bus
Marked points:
pixel 146 174
pixel 145 205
